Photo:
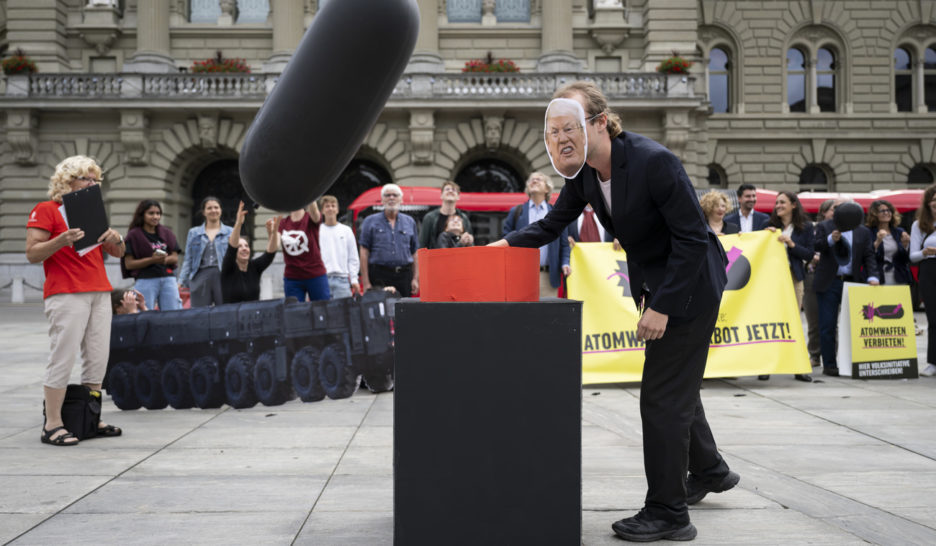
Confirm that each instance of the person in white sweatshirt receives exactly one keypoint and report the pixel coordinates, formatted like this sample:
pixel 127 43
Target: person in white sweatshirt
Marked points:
pixel 339 251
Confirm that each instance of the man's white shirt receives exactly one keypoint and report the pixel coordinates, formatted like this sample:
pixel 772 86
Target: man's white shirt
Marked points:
pixel 339 251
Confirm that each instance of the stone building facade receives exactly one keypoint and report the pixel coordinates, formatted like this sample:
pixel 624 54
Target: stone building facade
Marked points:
pixel 832 95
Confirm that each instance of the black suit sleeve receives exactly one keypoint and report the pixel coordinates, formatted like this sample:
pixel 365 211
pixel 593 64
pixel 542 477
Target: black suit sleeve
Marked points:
pixel 567 208
pixel 804 243
pixel 869 262
pixel 673 195
pixel 822 237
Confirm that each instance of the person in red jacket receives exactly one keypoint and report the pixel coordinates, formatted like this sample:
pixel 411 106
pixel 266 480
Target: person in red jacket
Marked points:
pixel 76 295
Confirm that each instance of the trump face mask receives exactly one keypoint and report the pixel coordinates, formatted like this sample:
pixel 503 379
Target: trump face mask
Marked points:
pixel 565 136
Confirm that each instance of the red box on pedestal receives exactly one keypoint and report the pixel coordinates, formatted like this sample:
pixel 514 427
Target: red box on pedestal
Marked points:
pixel 479 273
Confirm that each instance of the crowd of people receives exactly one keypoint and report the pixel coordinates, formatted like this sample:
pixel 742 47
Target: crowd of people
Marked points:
pixel 821 258
pixel 323 260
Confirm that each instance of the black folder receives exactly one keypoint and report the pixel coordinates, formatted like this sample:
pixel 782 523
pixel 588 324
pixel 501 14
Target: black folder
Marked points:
pixel 85 209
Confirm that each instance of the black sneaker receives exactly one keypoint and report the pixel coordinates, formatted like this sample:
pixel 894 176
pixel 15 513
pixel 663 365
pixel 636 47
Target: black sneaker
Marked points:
pixel 697 489
pixel 641 528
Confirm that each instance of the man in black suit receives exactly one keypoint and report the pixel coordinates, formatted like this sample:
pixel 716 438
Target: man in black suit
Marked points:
pixel 843 256
pixel 746 217
pixel 643 197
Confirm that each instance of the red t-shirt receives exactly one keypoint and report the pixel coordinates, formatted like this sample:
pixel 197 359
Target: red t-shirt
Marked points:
pixel 301 252
pixel 65 271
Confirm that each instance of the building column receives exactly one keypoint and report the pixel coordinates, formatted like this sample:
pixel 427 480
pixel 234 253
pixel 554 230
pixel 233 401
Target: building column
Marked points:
pixel 426 56
pixel 557 54
pixel 38 27
pixel 919 89
pixel 812 88
pixel 152 53
pixel 288 18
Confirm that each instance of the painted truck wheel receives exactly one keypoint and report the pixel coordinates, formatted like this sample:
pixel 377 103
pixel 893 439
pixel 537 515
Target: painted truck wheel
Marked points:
pixel 148 383
pixel 338 377
pixel 305 375
pixel 239 381
pixel 327 100
pixel 176 383
pixel 120 386
pixel 205 381
pixel 379 372
pixel 270 390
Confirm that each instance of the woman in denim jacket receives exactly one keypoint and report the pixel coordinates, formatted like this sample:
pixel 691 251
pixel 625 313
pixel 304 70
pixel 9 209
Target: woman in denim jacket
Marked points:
pixel 201 271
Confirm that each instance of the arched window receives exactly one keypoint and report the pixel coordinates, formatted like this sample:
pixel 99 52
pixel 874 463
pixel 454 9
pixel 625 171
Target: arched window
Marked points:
pixel 929 78
pixel 796 80
pixel 489 175
pixel 920 175
pixel 825 79
pixel 717 177
pixel 814 178
pixel 903 79
pixel 719 80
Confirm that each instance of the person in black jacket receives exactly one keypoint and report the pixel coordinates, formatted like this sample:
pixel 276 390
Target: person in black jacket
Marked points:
pixel 240 275
pixel 797 235
pixel 746 218
pixel 642 195
pixel 843 257
pixel 891 243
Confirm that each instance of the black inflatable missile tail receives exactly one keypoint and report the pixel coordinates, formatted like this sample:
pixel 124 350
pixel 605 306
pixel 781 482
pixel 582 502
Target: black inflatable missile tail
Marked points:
pixel 848 216
pixel 327 100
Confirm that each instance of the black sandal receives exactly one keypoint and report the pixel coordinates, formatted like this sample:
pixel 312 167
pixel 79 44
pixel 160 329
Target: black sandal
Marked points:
pixel 109 431
pixel 58 440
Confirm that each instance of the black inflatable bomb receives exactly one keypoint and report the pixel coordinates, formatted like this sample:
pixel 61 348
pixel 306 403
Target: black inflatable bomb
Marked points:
pixel 848 216
pixel 327 100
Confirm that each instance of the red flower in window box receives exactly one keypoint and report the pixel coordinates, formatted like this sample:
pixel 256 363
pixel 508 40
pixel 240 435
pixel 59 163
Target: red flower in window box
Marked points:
pixel 220 64
pixel 18 63
pixel 674 65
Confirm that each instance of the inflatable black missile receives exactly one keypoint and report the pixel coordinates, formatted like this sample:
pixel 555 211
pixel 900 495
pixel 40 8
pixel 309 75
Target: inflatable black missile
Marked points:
pixel 848 216
pixel 327 100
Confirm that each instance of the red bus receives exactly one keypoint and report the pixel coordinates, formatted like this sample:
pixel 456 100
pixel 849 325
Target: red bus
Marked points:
pixel 488 211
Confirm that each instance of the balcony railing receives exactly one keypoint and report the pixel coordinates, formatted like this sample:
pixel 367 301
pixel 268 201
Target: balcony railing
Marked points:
pixel 439 87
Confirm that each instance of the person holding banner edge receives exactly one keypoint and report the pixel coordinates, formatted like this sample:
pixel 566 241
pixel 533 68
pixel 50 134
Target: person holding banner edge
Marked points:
pixel 922 251
pixel 642 196
pixel 797 235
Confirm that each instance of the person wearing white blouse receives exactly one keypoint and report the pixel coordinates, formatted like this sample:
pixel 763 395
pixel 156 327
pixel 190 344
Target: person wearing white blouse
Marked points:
pixel 922 250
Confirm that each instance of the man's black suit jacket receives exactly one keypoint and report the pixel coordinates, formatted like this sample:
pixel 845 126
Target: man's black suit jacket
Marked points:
pixel 759 222
pixel 863 262
pixel 657 219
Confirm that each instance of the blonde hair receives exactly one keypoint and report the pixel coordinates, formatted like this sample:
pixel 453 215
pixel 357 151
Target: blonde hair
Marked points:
pixel 595 103
pixel 549 184
pixel 328 199
pixel 69 169
pixel 710 200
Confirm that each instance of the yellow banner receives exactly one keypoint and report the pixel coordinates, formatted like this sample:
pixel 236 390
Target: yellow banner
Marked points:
pixel 880 325
pixel 759 330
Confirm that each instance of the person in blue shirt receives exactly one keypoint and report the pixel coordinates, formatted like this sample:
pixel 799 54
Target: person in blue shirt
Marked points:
pixel 389 242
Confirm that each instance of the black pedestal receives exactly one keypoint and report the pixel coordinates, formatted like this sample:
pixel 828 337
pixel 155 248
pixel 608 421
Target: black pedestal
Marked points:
pixel 487 423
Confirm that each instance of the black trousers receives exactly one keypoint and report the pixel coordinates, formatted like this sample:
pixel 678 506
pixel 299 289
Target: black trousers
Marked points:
pixel 676 435
pixel 927 289
pixel 387 276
